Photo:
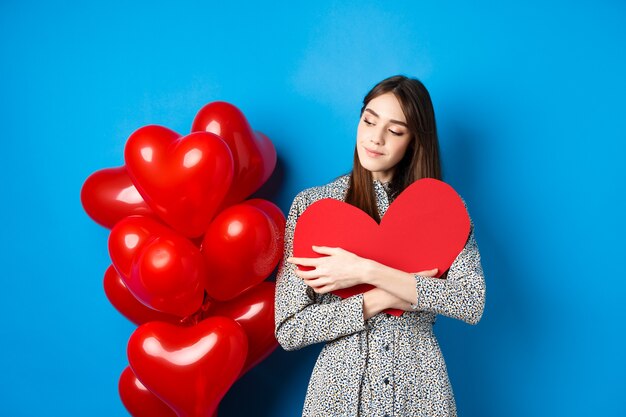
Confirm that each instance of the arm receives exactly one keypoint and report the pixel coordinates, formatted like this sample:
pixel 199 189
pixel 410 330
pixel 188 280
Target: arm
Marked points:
pixel 462 294
pixel 299 320
pixel 377 300
pixel 344 269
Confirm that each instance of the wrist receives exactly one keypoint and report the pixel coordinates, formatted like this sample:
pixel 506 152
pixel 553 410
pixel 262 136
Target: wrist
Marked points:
pixel 374 301
pixel 371 272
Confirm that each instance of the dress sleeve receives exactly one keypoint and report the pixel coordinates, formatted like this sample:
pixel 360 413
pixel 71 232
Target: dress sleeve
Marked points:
pixel 462 294
pixel 300 320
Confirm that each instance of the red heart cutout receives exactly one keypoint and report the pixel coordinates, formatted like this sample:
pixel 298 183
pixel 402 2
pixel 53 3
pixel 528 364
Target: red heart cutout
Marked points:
pixel 254 311
pixel 138 399
pixel 241 247
pixel 162 269
pixel 253 153
pixel 126 303
pixel 109 195
pixel 183 179
pixel 425 227
pixel 189 368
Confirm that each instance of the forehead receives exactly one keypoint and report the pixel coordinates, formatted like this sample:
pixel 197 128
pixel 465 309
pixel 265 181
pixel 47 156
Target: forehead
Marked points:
pixel 387 106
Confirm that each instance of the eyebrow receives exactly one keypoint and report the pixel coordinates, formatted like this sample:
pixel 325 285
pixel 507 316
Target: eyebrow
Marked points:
pixel 398 122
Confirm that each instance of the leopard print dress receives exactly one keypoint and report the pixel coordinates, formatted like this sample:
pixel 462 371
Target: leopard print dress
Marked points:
pixel 386 365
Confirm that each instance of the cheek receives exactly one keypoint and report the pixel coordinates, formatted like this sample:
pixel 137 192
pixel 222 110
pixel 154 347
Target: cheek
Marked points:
pixel 401 150
pixel 359 134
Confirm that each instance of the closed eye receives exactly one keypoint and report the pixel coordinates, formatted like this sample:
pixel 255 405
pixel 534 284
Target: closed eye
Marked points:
pixel 367 122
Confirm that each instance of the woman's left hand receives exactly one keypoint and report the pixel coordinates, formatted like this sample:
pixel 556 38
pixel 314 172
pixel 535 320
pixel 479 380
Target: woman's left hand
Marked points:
pixel 340 269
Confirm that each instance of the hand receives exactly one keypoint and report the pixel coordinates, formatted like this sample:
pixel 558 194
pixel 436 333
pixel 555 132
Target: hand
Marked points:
pixel 429 273
pixel 340 269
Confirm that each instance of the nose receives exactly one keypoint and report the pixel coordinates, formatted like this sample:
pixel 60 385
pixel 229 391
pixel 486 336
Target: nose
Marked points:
pixel 377 137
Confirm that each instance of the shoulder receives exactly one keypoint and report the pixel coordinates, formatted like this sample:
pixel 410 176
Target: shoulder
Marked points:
pixel 335 189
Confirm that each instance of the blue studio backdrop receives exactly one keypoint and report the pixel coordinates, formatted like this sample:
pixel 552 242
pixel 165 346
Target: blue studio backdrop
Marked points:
pixel 529 99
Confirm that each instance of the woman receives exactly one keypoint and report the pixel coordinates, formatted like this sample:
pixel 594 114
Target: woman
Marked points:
pixel 373 363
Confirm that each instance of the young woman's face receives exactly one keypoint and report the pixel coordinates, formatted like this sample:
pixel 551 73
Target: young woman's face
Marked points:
pixel 382 136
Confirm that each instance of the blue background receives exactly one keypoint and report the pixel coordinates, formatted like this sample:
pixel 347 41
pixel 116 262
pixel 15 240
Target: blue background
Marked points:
pixel 529 98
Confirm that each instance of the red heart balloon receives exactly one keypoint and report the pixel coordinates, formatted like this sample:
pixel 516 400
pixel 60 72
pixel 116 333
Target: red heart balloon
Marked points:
pixel 254 154
pixel 168 275
pixel 109 195
pixel 126 303
pixel 138 400
pixel 128 236
pixel 273 211
pixel 241 249
pixel 189 368
pixel 162 269
pixel 425 227
pixel 183 179
pixel 254 311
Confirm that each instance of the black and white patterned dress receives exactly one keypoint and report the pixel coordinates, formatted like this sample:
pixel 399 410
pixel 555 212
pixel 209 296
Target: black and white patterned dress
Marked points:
pixel 386 365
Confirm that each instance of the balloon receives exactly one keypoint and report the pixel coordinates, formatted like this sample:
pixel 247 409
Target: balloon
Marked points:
pixel 254 311
pixel 253 153
pixel 273 211
pixel 168 276
pixel 189 368
pixel 162 269
pixel 138 400
pixel 109 195
pixel 128 236
pixel 183 179
pixel 241 248
pixel 126 303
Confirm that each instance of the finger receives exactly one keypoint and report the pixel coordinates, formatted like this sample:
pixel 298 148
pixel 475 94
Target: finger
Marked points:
pixel 428 273
pixel 303 261
pixel 312 274
pixel 316 281
pixel 325 250
pixel 322 289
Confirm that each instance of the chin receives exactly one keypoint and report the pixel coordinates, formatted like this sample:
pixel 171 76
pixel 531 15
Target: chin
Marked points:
pixel 371 167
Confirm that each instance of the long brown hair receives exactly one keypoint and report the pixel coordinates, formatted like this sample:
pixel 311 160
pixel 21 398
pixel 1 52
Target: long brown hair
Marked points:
pixel 421 159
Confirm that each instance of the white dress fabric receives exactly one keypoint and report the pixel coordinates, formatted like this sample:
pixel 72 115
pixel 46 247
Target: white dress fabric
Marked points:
pixel 384 366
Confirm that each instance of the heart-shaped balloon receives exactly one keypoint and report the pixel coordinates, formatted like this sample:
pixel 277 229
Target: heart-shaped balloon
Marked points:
pixel 109 195
pixel 425 227
pixel 138 400
pixel 273 211
pixel 254 311
pixel 182 178
pixel 126 303
pixel 161 268
pixel 128 236
pixel 254 154
pixel 241 248
pixel 189 368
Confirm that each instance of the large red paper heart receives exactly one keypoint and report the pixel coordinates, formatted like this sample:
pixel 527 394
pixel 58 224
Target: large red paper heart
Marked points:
pixel 109 195
pixel 183 179
pixel 254 311
pixel 241 247
pixel 254 154
pixel 425 227
pixel 138 399
pixel 189 368
pixel 161 268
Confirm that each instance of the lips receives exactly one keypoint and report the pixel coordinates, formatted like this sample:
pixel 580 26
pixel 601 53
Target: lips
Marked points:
pixel 371 151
